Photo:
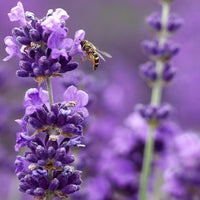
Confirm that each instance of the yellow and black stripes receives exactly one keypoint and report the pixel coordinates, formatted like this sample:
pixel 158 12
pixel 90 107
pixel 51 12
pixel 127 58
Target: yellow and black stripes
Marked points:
pixel 96 60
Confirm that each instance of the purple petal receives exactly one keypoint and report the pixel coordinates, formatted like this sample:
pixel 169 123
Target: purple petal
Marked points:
pixel 17 14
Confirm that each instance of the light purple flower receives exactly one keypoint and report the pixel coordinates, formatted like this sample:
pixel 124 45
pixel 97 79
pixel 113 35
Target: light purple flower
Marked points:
pixel 76 48
pixel 12 48
pixel 22 123
pixel 72 94
pixel 54 22
pixel 59 44
pixel 60 14
pixel 17 14
pixel 35 98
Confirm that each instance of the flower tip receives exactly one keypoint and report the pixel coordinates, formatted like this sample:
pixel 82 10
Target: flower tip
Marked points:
pixel 17 14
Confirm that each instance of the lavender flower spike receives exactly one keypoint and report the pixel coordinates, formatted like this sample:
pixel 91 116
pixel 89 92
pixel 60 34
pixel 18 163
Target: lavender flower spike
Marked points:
pixel 48 128
pixel 42 44
pixel 158 72
pixel 45 155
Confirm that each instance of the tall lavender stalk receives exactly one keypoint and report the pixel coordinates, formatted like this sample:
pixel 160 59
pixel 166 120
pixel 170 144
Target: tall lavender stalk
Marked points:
pixel 49 129
pixel 157 72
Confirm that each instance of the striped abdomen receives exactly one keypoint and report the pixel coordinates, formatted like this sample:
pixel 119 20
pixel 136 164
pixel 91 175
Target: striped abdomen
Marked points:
pixel 96 60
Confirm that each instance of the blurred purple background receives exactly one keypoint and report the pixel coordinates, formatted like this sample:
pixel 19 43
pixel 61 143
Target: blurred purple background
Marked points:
pixel 117 27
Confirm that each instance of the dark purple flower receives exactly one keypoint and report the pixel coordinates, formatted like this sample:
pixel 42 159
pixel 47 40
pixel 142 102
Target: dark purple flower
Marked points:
pixel 46 154
pixel 154 21
pixel 168 72
pixel 163 52
pixel 174 22
pixel 154 113
pixel 148 71
pixel 58 120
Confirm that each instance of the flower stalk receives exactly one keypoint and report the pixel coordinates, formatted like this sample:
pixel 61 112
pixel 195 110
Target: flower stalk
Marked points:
pixel 156 98
pixel 50 92
pixel 45 51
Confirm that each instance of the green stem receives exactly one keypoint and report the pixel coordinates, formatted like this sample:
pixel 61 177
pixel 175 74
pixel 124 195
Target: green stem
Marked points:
pixel 146 164
pixel 50 195
pixel 49 88
pixel 155 100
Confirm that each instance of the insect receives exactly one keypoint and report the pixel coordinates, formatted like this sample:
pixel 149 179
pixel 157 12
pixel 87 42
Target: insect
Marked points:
pixel 93 53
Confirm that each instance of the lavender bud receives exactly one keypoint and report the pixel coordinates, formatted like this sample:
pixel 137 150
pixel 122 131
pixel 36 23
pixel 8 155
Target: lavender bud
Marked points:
pixel 34 35
pixel 148 71
pixel 41 152
pixel 70 189
pixel 39 192
pixel 25 65
pixel 68 67
pixel 174 23
pixel 43 63
pixel 23 40
pixel 168 72
pixel 51 152
pixel 22 73
pixel 154 21
pixel 54 184
pixel 17 32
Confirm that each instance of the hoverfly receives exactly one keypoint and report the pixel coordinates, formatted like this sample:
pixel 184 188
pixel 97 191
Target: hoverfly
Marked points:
pixel 93 53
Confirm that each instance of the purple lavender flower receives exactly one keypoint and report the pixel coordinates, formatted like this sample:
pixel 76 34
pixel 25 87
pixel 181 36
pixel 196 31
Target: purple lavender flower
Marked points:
pixel 48 129
pixel 174 22
pixel 153 114
pixel 34 99
pixel 17 14
pixel 76 48
pixel 12 48
pixel 55 20
pixel 148 71
pixel 44 155
pixel 41 44
pixel 79 97
pixel 58 120
pixel 164 52
pixel 59 44
pixel 61 118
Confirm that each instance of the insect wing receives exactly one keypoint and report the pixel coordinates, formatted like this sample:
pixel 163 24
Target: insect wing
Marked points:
pixel 100 56
pixel 103 53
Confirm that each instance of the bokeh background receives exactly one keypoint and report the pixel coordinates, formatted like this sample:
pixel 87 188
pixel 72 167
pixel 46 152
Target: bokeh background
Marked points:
pixel 117 27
